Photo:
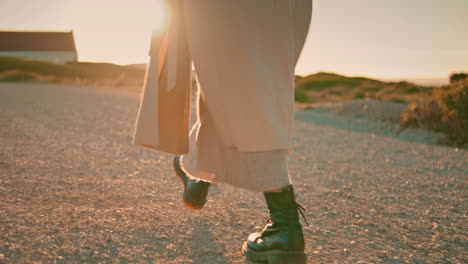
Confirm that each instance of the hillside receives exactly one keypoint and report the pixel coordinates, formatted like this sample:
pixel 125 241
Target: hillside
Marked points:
pixel 320 87
pixel 330 87
pixel 78 73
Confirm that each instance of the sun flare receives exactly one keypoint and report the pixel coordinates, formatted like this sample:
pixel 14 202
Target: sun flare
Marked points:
pixel 162 18
pixel 125 29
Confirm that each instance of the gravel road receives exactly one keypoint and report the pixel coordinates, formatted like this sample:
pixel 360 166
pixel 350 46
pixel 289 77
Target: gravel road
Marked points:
pixel 73 189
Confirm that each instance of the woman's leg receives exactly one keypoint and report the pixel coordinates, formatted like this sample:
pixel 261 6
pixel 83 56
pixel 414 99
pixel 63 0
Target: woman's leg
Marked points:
pixel 282 239
pixel 245 53
pixel 196 183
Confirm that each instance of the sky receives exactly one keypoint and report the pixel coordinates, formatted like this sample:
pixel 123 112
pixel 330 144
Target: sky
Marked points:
pixel 383 39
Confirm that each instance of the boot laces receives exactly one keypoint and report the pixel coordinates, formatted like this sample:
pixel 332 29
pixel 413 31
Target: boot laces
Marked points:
pixel 299 208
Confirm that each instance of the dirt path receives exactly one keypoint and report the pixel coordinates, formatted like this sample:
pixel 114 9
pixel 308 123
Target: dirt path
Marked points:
pixel 73 189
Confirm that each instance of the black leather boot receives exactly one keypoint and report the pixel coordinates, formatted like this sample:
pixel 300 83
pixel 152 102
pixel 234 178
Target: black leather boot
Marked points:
pixel 281 241
pixel 195 191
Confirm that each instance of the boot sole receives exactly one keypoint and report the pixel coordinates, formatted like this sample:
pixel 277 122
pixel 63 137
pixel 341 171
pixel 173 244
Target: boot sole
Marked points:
pixel 185 200
pixel 273 257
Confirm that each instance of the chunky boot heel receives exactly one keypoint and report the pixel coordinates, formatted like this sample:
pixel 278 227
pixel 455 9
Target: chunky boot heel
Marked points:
pixel 287 259
pixel 281 241
pixel 195 191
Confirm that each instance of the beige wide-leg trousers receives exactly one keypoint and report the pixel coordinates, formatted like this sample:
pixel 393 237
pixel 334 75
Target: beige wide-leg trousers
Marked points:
pixel 210 160
pixel 223 72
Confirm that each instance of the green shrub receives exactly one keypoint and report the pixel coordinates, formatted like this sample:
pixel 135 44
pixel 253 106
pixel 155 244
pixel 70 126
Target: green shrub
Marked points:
pixel 446 112
pixel 455 104
pixel 301 96
pixel 427 114
pixel 455 99
pixel 455 77
pixel 335 92
pixel 17 76
pixel 359 95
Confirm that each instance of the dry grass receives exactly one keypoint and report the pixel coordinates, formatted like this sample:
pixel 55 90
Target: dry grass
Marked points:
pixel 330 87
pixel 321 87
pixel 446 111
pixel 100 75
pixel 437 108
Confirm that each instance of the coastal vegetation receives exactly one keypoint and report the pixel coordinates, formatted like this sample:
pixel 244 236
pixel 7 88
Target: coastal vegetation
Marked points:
pixel 439 108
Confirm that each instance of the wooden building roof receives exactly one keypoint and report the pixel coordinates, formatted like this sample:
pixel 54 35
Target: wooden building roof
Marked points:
pixel 36 41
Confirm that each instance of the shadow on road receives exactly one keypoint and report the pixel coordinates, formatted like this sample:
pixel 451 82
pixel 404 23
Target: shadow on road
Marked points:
pixel 204 247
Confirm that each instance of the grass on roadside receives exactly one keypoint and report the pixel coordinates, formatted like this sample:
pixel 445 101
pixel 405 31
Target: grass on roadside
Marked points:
pixel 446 111
pixel 79 73
pixel 330 87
